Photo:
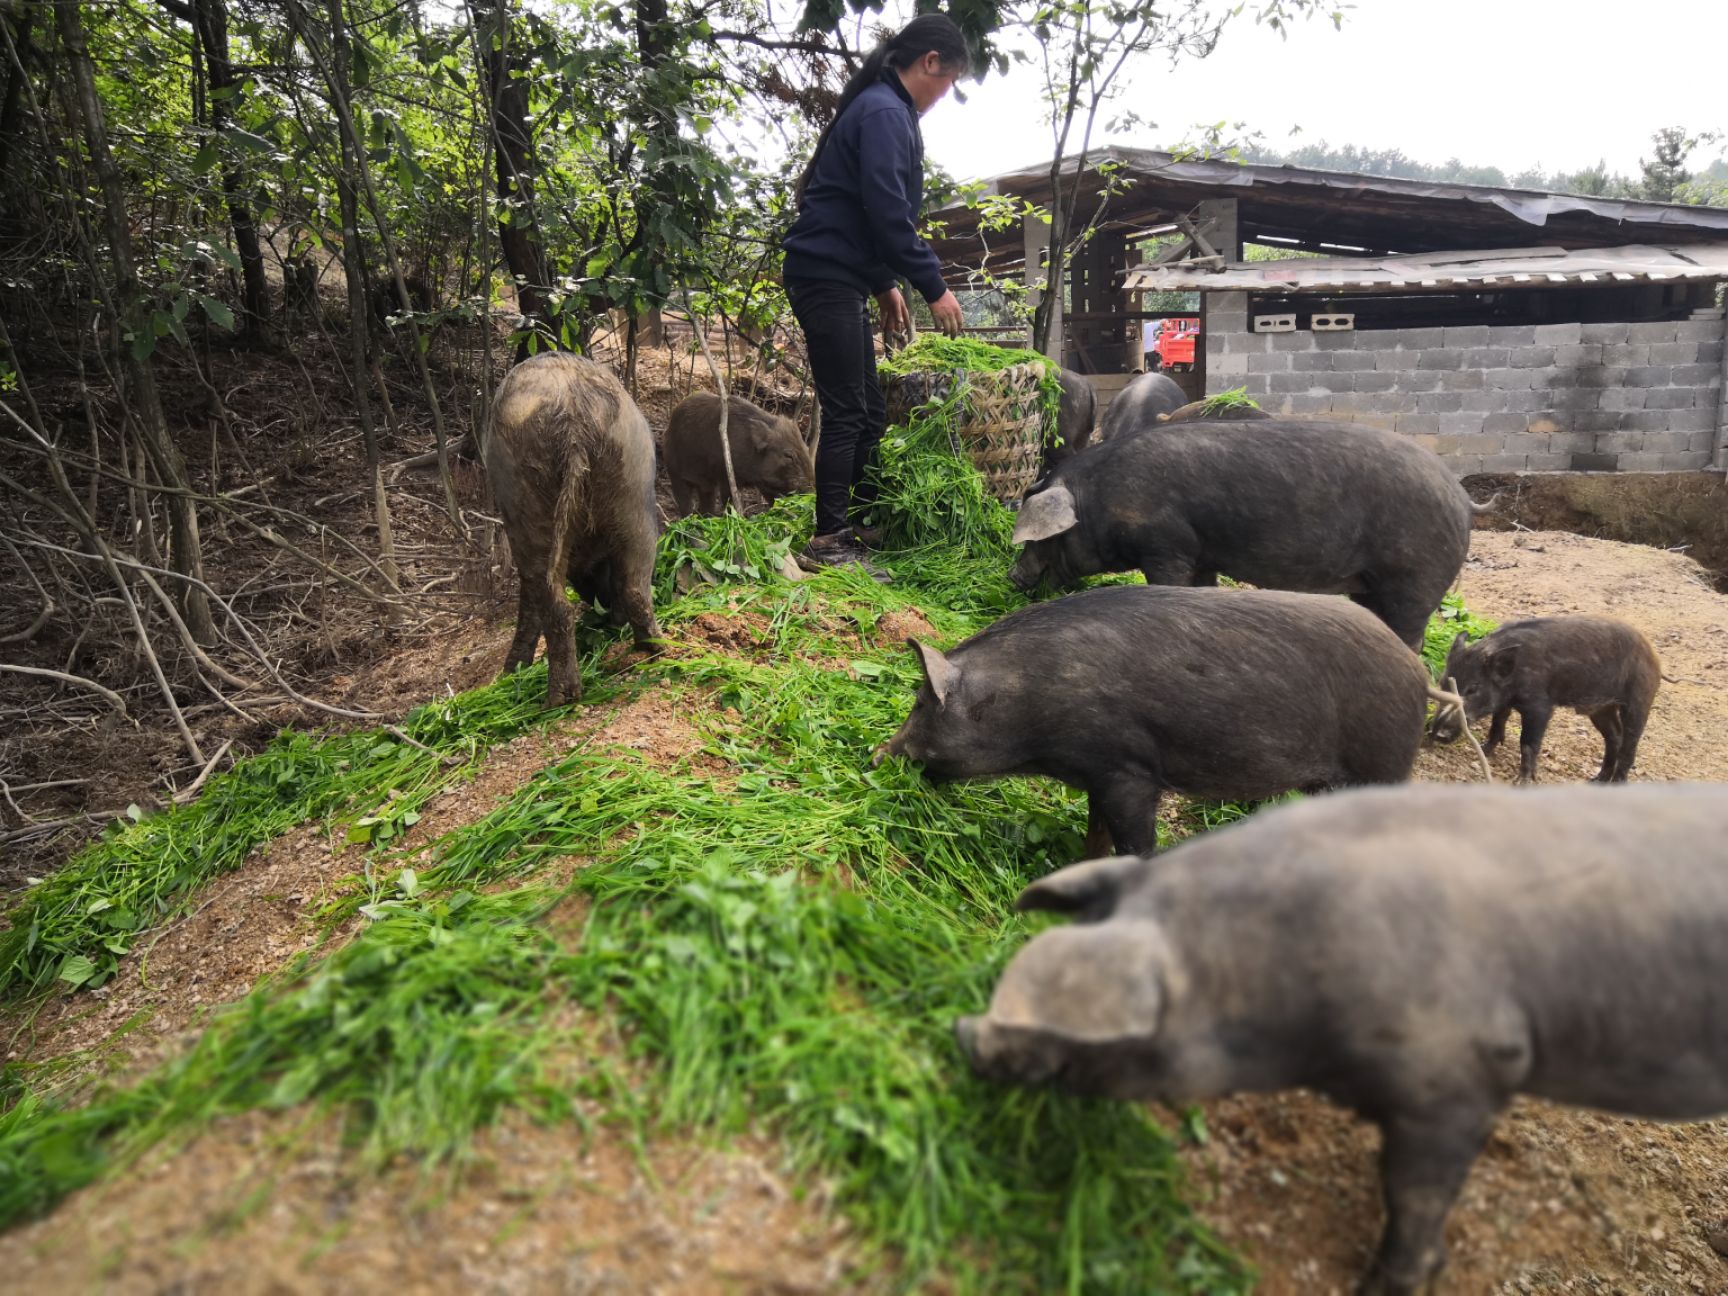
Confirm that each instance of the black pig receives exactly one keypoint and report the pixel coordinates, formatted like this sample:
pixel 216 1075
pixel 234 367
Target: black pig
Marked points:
pixel 1128 691
pixel 1595 665
pixel 1323 508
pixel 1138 405
pixel 1417 954
pixel 1074 419
pixel 767 453
pixel 571 462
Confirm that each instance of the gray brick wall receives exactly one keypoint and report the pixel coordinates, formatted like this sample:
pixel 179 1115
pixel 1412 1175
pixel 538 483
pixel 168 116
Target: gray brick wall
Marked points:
pixel 1494 399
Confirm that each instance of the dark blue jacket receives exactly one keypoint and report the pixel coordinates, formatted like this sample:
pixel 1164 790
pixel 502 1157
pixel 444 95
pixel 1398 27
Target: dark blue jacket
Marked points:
pixel 858 222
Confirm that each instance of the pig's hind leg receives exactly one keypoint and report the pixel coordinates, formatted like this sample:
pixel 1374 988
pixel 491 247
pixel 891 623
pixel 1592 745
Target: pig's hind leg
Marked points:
pixel 1425 1158
pixel 1609 723
pixel 1632 719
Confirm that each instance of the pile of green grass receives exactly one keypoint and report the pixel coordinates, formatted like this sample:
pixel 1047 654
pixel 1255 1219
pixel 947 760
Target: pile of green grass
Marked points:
pixel 786 943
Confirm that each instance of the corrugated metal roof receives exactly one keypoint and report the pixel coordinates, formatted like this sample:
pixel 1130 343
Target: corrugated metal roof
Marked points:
pixel 1538 267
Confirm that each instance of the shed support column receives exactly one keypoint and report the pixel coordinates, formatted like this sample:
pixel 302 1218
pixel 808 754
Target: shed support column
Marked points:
pixel 1720 461
pixel 1224 233
pixel 1037 236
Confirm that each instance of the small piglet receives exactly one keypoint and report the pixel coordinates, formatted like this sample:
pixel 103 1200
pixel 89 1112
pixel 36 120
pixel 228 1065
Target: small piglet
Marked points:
pixel 1417 954
pixel 1595 665
pixel 1134 690
pixel 767 453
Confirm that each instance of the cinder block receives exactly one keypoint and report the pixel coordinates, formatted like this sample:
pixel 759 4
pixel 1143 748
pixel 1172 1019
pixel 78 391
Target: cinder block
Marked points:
pixel 1487 402
pixel 1285 323
pixel 1652 333
pixel 1686 461
pixel 1397 361
pixel 1578 398
pixel 1311 362
pixel 1486 357
pixel 1461 380
pixel 1595 461
pixel 1559 334
pixel 1599 376
pixel 1439 402
pixel 1469 427
pixel 1512 335
pixel 1699 331
pixel 1440 358
pixel 1333 340
pixel 1709 353
pixel 1671 398
pixel 1623 398
pixel 1376 382
pixel 1332 322
pixel 1582 353
pixel 1532 357
pixel 1426 441
pixel 1509 379
pixel 1707 441
pixel 1225 366
pixel 1620 442
pixel 1523 402
pixel 1647 376
pixel 1265 363
pixel 1463 465
pixel 1418 423
pixel 1254 384
pixel 1504 462
pixel 1289 341
pixel 1549 462
pixel 1571 442
pixel 1673 353
pixel 1604 333
pixel 1466 335
pixel 1696 375
pixel 1660 442
pixel 1629 353
pixel 1387 403
pixel 1558 379
pixel 1353 361
pixel 1597 421
pixel 1524 442
pixel 1279 405
pixel 1244 344
pixel 1289 384
pixel 1509 425
pixel 1639 461
pixel 1305 404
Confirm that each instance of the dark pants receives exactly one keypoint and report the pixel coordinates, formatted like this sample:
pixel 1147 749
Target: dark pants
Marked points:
pixel 837 338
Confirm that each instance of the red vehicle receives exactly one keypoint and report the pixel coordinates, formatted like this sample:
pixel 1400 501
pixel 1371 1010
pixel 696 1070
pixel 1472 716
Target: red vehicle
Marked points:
pixel 1170 343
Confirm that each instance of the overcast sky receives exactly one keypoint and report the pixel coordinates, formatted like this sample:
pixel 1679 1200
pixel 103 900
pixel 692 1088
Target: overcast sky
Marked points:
pixel 1558 84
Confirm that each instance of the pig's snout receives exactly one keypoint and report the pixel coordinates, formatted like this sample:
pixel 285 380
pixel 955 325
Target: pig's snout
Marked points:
pixel 878 754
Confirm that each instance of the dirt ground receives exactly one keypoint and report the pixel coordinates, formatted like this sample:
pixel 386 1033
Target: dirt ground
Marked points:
pixel 1561 1201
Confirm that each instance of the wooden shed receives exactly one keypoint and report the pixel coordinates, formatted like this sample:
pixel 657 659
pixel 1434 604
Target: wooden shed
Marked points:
pixel 1509 329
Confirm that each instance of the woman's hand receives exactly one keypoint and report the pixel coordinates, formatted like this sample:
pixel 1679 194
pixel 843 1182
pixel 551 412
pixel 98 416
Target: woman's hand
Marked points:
pixel 947 314
pixel 892 307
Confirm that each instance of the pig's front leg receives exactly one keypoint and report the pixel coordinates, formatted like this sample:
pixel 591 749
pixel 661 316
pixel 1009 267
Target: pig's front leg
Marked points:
pixel 1532 727
pixel 1496 730
pixel 1124 805
pixel 1424 1161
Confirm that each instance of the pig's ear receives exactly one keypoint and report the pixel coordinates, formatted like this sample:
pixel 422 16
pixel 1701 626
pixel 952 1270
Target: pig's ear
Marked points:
pixel 1503 663
pixel 1460 642
pixel 1048 513
pixel 942 673
pixel 1088 891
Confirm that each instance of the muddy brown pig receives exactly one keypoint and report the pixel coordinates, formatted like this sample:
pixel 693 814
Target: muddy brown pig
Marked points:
pixel 1130 691
pixel 767 453
pixel 1598 666
pixel 1418 955
pixel 571 462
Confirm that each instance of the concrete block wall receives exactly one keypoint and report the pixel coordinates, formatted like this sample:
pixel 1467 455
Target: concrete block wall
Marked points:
pixel 1494 398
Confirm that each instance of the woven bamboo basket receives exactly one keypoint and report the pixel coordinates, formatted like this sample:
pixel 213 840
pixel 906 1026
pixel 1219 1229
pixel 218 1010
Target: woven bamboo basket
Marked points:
pixel 999 422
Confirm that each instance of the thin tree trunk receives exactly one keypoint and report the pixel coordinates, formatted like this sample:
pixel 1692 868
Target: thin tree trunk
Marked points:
pixel 515 166
pixel 21 26
pixel 187 557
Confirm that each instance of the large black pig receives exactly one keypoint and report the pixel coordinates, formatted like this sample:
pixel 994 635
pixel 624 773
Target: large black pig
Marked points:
pixel 1323 508
pixel 1417 954
pixel 1132 690
pixel 1074 419
pixel 767 453
pixel 1138 405
pixel 571 462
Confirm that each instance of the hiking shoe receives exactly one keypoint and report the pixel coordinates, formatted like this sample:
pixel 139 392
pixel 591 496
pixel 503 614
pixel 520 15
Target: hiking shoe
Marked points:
pixel 838 550
pixel 870 537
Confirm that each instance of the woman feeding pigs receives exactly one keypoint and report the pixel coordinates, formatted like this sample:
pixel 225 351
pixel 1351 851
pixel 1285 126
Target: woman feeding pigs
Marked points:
pixel 858 203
